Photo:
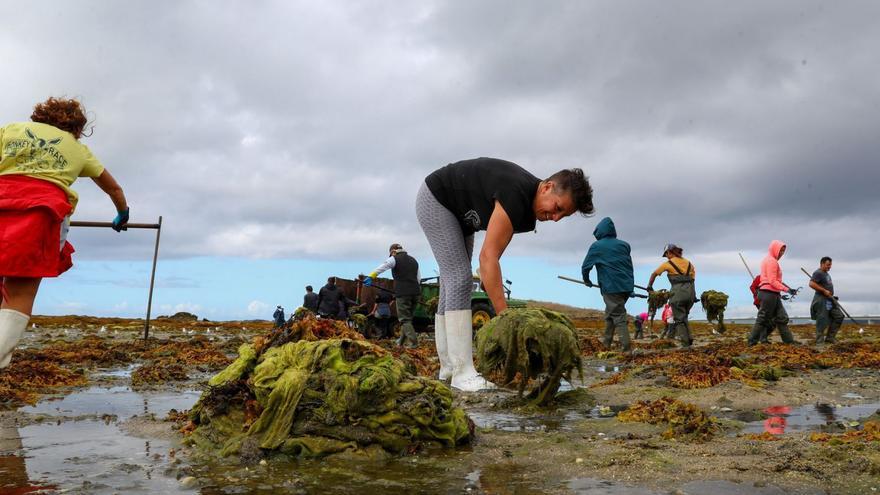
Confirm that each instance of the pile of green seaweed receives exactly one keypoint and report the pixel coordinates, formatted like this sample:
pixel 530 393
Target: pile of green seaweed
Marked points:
pixel 714 303
pixel 313 398
pixel 656 300
pixel 530 344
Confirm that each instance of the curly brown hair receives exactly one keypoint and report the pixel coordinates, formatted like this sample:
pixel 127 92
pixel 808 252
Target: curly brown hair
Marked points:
pixel 65 114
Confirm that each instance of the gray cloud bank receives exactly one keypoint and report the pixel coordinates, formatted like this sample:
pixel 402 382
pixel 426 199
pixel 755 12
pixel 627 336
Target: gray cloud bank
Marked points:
pixel 302 129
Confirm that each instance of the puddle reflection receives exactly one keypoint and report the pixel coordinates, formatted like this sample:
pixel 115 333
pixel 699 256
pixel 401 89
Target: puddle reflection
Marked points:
pixel 784 419
pixel 120 401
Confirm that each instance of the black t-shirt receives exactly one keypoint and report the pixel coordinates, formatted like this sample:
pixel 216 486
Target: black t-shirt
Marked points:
pixel 469 189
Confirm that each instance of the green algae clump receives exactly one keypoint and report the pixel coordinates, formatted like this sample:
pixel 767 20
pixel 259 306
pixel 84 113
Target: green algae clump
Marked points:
pixel 714 303
pixel 530 344
pixel 656 300
pixel 316 398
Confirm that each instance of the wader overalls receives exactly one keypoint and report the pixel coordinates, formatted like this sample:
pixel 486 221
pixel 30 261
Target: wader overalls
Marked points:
pixel 681 299
pixel 827 315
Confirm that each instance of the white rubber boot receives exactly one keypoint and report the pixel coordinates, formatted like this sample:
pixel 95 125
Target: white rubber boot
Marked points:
pixel 12 327
pixel 459 339
pixel 442 347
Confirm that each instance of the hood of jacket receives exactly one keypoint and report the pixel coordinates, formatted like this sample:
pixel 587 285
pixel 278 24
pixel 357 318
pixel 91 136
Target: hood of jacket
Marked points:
pixel 775 248
pixel 605 229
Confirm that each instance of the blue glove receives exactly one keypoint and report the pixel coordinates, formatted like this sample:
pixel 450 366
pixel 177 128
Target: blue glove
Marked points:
pixel 588 283
pixel 120 221
pixel 368 281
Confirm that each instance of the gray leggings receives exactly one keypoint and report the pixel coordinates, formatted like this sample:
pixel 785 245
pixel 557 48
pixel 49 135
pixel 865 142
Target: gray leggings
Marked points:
pixel 452 250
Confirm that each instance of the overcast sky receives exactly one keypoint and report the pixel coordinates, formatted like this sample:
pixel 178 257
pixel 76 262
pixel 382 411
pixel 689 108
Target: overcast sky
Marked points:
pixel 285 141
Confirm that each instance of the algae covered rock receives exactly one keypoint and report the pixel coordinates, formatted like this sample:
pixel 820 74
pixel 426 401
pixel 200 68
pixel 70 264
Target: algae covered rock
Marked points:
pixel 684 419
pixel 532 344
pixel 714 303
pixel 320 397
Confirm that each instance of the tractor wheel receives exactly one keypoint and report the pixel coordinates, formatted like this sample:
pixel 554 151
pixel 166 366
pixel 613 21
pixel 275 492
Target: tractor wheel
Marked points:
pixel 481 313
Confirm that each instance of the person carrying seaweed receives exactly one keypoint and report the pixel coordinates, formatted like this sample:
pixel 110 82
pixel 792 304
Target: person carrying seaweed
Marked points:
pixel 827 314
pixel 772 313
pixel 614 269
pixel 681 275
pixel 501 198
pixel 39 162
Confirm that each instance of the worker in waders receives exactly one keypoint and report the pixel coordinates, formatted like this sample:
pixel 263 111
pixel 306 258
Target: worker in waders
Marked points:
pixel 39 161
pixel 772 313
pixel 824 308
pixel 614 269
pixel 407 290
pixel 682 296
pixel 501 198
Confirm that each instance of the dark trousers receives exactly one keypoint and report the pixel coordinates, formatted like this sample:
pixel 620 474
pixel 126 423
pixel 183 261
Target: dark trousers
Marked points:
pixel 771 315
pixel 639 325
pixel 383 328
pixel 681 301
pixel 826 319
pixel 615 319
pixel 406 305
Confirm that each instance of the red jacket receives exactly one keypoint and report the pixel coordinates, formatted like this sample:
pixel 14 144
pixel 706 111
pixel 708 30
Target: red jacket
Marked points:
pixel 771 273
pixel 31 212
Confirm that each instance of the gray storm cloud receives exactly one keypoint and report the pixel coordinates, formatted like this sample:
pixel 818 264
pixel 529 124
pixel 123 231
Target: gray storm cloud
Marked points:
pixel 302 129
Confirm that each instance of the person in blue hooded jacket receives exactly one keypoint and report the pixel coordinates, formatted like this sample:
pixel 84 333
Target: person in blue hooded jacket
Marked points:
pixel 614 266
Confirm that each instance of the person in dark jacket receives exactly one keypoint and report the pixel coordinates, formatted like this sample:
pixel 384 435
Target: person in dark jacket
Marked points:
pixel 614 268
pixel 407 290
pixel 278 316
pixel 330 298
pixel 310 300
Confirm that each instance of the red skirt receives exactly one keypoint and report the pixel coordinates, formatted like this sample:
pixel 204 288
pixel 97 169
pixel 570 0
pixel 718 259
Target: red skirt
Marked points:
pixel 31 213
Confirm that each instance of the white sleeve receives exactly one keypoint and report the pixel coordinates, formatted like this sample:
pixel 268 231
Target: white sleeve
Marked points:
pixel 387 265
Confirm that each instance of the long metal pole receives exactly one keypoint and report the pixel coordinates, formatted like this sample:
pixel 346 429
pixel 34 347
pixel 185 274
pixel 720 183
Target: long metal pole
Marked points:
pixel 77 223
pixel 569 279
pixel 152 282
pixel 833 300
pixel 746 265
pixel 158 227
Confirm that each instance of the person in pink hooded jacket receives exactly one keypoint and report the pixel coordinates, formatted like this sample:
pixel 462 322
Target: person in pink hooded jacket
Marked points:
pixel 666 317
pixel 771 312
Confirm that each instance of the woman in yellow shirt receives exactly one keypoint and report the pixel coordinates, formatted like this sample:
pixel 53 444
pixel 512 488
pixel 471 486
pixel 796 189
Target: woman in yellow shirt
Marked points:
pixel 681 275
pixel 39 161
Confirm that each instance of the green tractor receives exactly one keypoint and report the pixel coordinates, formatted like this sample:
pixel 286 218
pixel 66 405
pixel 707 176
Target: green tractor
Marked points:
pixel 481 306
